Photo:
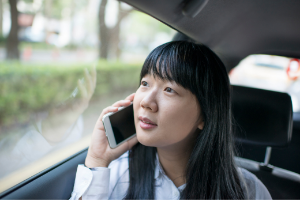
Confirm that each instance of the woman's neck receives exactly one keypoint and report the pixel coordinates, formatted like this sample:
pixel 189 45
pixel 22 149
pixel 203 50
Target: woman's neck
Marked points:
pixel 174 160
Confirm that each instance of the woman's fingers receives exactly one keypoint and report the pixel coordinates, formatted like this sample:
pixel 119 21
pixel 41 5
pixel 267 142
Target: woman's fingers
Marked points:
pixel 99 123
pixel 125 102
pixel 130 97
pixel 122 103
pixel 109 109
pixel 100 154
pixel 114 108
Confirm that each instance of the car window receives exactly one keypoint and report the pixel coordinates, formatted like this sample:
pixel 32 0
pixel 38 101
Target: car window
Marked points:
pixel 270 72
pixel 61 63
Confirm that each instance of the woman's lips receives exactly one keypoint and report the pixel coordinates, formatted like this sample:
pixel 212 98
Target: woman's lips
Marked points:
pixel 146 123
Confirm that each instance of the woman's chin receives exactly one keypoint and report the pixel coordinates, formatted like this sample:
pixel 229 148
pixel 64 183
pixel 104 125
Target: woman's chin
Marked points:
pixel 146 141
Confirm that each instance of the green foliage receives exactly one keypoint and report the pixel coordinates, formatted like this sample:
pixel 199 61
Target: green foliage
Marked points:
pixel 27 89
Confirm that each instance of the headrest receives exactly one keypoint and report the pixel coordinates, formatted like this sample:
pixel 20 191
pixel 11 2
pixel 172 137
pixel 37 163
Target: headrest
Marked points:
pixel 262 117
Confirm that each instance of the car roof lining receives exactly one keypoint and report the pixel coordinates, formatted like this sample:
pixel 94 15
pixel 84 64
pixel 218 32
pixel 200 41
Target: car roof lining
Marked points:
pixel 234 29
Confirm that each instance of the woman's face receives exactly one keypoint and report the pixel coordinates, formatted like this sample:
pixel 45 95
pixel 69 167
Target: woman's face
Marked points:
pixel 165 113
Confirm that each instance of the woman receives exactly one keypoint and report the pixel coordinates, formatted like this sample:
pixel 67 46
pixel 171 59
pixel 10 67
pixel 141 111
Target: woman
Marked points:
pixel 183 123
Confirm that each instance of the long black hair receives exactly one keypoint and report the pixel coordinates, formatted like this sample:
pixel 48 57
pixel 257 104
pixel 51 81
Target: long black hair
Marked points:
pixel 211 171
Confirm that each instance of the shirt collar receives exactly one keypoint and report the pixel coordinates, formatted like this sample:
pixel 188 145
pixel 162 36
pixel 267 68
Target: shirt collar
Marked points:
pixel 158 168
pixel 160 172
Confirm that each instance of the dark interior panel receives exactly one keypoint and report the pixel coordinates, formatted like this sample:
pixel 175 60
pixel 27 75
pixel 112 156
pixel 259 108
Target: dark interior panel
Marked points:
pixel 53 183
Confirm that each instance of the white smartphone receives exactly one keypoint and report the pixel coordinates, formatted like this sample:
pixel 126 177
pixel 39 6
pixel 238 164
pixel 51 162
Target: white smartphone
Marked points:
pixel 119 126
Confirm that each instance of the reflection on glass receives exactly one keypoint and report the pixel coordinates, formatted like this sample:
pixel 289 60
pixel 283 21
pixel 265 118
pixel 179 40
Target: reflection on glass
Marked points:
pixel 58 126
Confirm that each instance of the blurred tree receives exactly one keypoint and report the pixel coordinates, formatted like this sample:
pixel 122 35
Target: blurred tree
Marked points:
pixel 103 31
pixel 1 17
pixel 12 44
pixel 110 37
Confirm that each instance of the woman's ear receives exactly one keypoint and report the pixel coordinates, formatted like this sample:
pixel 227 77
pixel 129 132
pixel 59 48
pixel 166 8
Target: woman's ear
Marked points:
pixel 201 124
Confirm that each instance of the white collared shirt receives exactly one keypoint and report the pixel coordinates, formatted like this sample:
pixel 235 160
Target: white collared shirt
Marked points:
pixel 113 182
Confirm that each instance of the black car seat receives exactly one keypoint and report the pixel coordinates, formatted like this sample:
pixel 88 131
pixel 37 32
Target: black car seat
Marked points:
pixel 265 118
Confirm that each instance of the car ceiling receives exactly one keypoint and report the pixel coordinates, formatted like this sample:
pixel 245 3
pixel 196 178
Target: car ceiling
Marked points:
pixel 234 29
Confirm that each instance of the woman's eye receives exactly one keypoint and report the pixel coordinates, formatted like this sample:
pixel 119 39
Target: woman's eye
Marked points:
pixel 144 83
pixel 170 90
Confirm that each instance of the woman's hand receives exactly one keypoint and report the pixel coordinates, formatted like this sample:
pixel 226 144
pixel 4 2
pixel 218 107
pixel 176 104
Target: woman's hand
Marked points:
pixel 99 153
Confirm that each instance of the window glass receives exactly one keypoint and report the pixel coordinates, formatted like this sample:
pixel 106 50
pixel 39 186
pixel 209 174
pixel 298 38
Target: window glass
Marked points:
pixel 61 63
pixel 270 72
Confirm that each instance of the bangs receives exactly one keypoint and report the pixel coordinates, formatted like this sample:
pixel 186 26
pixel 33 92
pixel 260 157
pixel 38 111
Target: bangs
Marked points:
pixel 171 63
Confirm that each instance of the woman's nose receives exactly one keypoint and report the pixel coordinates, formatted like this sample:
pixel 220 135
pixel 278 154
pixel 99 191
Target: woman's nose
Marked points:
pixel 149 103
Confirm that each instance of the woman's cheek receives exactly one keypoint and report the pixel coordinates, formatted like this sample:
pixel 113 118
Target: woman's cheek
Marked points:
pixel 136 102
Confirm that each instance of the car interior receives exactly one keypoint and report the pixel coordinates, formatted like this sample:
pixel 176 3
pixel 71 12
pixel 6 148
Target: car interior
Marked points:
pixel 267 130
